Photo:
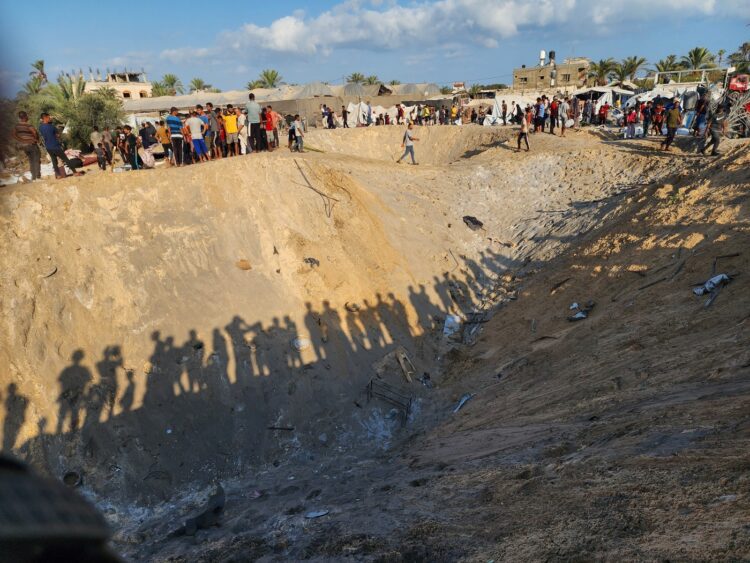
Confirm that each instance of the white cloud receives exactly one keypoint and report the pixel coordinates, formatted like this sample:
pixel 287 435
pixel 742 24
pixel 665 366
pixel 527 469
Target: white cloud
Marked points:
pixel 391 26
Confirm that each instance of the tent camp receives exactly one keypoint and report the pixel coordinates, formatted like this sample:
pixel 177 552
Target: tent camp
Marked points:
pixel 603 94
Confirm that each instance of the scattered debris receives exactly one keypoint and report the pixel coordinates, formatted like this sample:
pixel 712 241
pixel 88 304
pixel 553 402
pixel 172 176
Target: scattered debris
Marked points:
pixel 465 399
pixel 208 517
pixel 275 251
pixel 426 380
pixel 285 428
pixel 314 262
pixel 452 325
pixel 301 343
pixel 723 256
pixel 712 284
pixel 255 493
pixel 316 513
pixel 407 367
pixel 49 273
pixel 392 395
pixel 473 223
pixel 351 307
pixel 558 285
pixel 582 312
pixel 243 264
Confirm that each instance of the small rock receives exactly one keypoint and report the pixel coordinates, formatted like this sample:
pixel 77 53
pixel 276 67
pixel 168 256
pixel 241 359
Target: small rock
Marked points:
pixel 243 264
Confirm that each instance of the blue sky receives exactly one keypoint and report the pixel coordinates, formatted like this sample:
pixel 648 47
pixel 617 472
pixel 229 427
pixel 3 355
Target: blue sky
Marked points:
pixel 228 43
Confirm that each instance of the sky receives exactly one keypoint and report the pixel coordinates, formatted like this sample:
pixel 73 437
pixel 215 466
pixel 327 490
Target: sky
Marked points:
pixel 227 43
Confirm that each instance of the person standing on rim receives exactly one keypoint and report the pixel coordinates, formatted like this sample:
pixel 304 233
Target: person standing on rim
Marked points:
pixel 505 113
pixel 345 116
pixel 254 143
pixel 28 141
pixel 408 144
pixel 524 132
pixel 674 120
pixel 51 137
pixel 174 124
pixel 562 112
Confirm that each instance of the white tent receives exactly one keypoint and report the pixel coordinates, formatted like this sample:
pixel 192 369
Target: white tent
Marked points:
pixel 497 107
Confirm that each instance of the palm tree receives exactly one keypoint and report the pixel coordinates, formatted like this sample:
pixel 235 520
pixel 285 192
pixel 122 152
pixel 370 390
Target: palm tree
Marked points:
pixel 394 83
pixel 632 65
pixel 446 90
pixel 698 57
pixel 38 71
pixel 372 79
pixel 158 89
pixel 32 87
pixel 741 58
pixel 253 84
pixel 619 72
pixel 667 64
pixel 474 90
pixel 601 70
pixel 197 84
pixel 356 78
pixel 270 78
pixel 172 84
pixel 720 54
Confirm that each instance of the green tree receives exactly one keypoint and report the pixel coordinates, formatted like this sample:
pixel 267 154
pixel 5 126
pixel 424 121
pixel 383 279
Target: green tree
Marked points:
pixel 740 59
pixel 474 90
pixel 619 72
pixel 101 108
pixel 253 84
pixel 720 56
pixel 600 71
pixel 172 84
pixel 667 64
pixel 197 84
pixel 372 79
pixel 446 90
pixel 356 78
pixel 632 65
pixel 158 89
pixel 269 78
pixel 394 83
pixel 698 57
pixel 38 71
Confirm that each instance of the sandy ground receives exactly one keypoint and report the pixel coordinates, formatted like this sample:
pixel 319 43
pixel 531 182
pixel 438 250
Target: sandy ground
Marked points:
pixel 621 436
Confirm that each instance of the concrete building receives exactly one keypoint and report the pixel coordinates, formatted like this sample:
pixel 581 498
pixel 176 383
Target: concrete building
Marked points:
pixel 571 73
pixel 128 85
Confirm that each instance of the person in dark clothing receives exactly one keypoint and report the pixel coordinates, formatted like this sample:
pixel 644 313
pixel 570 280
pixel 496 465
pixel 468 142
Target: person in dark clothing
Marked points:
pixel 28 141
pixel 647 114
pixel 131 148
pixel 716 126
pixel 345 117
pixel 51 137
pixel 101 156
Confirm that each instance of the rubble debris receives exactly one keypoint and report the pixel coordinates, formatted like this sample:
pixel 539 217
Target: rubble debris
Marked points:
pixel 316 513
pixel 425 380
pixel 712 284
pixel 208 517
pixel 49 273
pixel 351 307
pixel 462 401
pixel 301 343
pixel 472 222
pixel 582 312
pixel 286 428
pixel 452 325
pixel 243 264
pixel 407 367
pixel 313 262
pixel 72 479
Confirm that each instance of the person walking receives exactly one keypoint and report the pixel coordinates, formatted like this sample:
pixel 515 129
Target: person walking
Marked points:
pixel 253 118
pixel 674 120
pixel 505 113
pixel 345 117
pixel 408 144
pixel 51 137
pixel 523 134
pixel 28 141
pixel 95 137
pixel 716 126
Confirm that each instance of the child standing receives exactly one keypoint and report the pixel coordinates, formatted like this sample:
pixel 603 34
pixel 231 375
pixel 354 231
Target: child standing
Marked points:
pixel 299 133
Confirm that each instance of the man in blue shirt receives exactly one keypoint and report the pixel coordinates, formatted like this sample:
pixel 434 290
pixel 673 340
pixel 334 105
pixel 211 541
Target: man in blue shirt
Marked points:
pixel 49 134
pixel 174 123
